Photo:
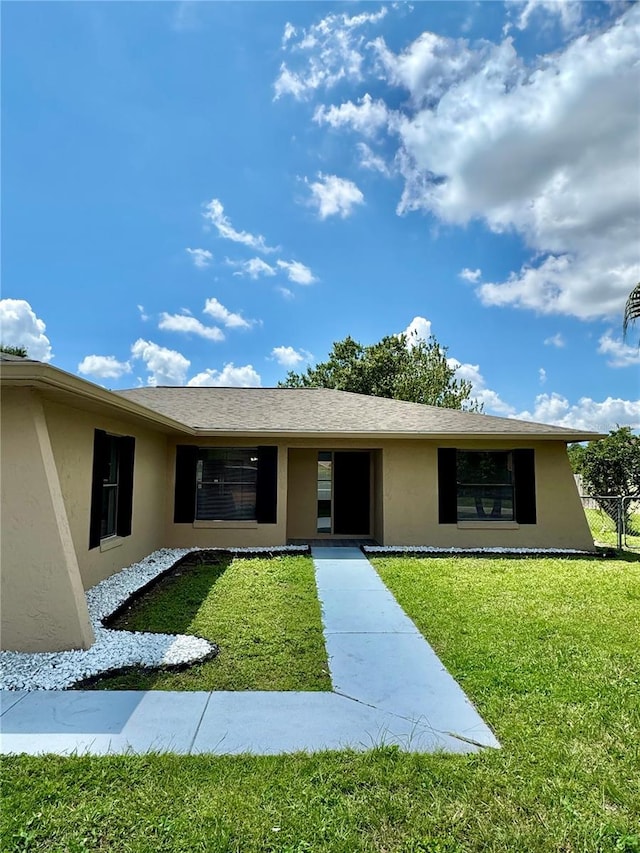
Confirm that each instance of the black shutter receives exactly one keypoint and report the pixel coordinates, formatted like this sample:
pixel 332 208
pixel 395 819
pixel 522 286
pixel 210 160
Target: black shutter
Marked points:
pixel 267 486
pixel 99 461
pixel 524 475
pixel 126 451
pixel 185 492
pixel 447 486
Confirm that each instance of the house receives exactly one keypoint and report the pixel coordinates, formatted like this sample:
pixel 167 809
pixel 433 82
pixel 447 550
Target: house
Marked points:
pixel 93 480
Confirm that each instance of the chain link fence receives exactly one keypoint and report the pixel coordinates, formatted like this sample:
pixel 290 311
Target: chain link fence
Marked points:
pixel 614 520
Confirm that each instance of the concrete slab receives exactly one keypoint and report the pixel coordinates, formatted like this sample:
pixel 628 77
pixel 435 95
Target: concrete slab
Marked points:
pixel 346 574
pixel 101 722
pixel 8 698
pixel 363 611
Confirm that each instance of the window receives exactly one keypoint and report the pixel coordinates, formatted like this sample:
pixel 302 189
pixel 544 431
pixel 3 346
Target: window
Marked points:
pixel 486 486
pixel 226 484
pixel 112 488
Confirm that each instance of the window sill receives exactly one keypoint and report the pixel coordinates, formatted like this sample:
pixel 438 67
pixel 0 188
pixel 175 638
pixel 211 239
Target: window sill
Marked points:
pixel 111 542
pixel 225 525
pixel 488 525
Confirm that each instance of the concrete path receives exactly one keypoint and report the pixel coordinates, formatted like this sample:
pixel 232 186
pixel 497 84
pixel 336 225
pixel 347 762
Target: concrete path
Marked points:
pixel 389 687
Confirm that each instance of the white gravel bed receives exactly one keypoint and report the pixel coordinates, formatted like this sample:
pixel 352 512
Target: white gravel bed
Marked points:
pixel 116 649
pixel 431 549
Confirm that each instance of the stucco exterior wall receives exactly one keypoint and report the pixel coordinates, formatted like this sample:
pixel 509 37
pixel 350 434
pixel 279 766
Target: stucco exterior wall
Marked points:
pixel 42 598
pixel 224 534
pixel 72 435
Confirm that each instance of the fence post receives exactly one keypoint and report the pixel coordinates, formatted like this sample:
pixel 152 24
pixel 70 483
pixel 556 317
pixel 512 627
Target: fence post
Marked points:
pixel 620 523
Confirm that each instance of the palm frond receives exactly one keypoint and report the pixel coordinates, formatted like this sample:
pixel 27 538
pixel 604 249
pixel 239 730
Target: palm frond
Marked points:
pixel 631 309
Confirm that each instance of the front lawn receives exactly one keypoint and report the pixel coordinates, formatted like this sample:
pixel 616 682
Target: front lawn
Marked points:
pixel 263 613
pixel 548 649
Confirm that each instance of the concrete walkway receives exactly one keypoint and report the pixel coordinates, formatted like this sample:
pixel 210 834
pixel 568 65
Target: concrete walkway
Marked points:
pixel 389 687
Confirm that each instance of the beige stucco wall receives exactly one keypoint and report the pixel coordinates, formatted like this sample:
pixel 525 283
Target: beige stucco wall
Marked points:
pixel 224 534
pixel 43 606
pixel 405 489
pixel 72 436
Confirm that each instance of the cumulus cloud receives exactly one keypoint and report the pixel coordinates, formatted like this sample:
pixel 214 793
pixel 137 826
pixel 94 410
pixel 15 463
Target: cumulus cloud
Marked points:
pixel 143 316
pixel 216 309
pixel 297 272
pixel 490 400
pixel 214 213
pixel 20 327
pixel 201 257
pixel 372 161
pixel 254 268
pixel 471 275
pixel 619 354
pixel 568 13
pixel 545 147
pixel 366 117
pixel 165 366
pixel 542 375
pixel 324 54
pixel 103 366
pixel 555 341
pixel 419 329
pixel 189 325
pixel 289 357
pixel 229 376
pixel 586 414
pixel 333 196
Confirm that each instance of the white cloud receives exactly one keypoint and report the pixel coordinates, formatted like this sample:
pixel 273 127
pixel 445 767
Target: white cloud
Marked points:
pixel 471 275
pixel 297 272
pixel 165 366
pixel 555 341
pixel 103 366
pixel 289 357
pixel 372 161
pixel 201 257
pixel 542 375
pixel 620 354
pixel 217 310
pixel 229 376
pixel 491 400
pixel 19 326
pixel 333 196
pixel 567 12
pixel 366 117
pixel 254 268
pixel 214 213
pixel 285 292
pixel 143 316
pixel 586 414
pixel 325 53
pixel 189 325
pixel 419 329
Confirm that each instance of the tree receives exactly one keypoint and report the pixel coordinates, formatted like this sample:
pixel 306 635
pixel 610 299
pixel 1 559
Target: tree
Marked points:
pixel 611 467
pixel 631 310
pixel 576 454
pixel 415 370
pixel 11 350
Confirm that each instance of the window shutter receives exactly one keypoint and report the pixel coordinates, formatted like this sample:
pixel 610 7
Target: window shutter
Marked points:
pixel 185 491
pixel 126 452
pixel 524 474
pixel 95 519
pixel 447 486
pixel 267 486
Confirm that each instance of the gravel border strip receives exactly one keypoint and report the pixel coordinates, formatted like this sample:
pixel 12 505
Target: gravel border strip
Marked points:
pixel 114 649
pixel 431 549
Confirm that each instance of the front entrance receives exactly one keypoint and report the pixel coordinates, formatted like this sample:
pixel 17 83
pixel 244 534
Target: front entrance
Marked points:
pixel 344 492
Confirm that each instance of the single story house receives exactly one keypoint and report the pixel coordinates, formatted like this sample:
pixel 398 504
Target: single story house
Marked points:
pixel 93 480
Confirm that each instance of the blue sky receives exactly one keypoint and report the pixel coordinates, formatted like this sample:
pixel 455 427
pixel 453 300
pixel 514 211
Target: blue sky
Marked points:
pixel 212 193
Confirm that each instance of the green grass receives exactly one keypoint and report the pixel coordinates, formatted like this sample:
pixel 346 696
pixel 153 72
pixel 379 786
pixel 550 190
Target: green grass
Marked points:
pixel 548 650
pixel 263 614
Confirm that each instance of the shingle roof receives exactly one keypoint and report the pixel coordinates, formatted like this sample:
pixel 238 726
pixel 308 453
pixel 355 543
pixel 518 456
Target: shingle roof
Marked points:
pixel 315 411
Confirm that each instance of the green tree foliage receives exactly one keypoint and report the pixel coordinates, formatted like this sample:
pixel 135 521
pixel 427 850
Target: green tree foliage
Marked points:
pixel 576 454
pixel 11 350
pixel 611 467
pixel 390 368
